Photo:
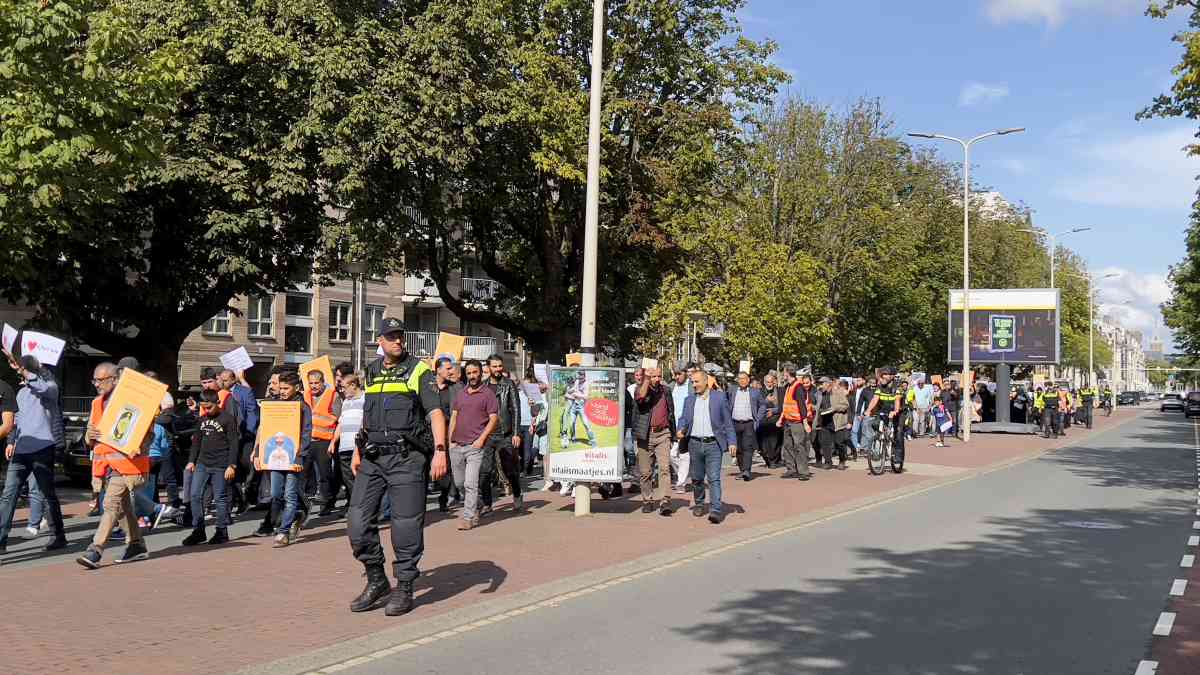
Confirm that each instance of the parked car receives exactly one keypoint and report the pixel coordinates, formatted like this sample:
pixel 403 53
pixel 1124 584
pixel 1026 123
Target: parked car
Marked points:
pixel 1191 404
pixel 1171 402
pixel 1127 398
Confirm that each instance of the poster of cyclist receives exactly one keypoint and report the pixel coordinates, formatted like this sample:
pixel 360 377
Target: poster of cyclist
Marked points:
pixel 586 424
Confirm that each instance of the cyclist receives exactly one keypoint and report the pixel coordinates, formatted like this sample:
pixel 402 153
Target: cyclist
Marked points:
pixel 888 402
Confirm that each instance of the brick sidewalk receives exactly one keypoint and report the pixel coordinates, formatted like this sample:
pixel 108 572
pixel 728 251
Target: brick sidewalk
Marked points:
pixel 242 604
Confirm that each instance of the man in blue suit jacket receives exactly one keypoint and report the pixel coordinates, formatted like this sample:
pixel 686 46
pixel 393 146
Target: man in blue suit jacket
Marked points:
pixel 709 429
pixel 747 408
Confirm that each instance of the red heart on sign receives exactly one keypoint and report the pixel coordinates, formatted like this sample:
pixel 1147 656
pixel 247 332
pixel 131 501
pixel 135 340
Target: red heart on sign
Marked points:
pixel 31 345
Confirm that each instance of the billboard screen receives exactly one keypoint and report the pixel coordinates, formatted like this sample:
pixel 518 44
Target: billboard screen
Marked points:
pixel 1017 325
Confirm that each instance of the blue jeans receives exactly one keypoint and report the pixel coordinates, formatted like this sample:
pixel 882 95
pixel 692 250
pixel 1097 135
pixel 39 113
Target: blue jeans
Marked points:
pixel 201 478
pixel 285 497
pixel 145 498
pixel 706 463
pixel 856 434
pixel 37 503
pixel 39 465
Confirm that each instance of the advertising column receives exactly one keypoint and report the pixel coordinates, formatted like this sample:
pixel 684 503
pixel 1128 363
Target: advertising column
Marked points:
pixel 586 424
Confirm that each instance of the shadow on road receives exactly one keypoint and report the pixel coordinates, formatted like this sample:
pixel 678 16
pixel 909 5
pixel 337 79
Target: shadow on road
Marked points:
pixel 1015 607
pixel 447 581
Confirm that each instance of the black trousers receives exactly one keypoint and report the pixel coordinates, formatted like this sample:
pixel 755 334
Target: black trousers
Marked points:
pixel 747 444
pixel 402 478
pixel 345 475
pixel 317 466
pixel 510 464
pixel 833 441
pixel 1086 414
pixel 769 441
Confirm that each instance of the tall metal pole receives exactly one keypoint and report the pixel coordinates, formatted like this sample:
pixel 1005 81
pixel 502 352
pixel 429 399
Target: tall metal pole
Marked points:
pixel 966 146
pixel 591 243
pixel 1091 334
pixel 587 338
pixel 1053 251
pixel 970 393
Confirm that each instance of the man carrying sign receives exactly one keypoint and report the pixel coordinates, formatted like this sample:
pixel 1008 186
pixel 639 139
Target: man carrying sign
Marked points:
pixel 125 473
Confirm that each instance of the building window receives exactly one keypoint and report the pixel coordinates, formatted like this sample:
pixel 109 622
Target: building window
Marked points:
pixel 372 315
pixel 260 317
pixel 339 322
pixel 219 324
pixel 510 342
pixel 298 305
pixel 297 339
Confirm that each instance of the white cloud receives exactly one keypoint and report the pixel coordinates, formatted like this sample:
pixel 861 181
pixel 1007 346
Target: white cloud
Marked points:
pixel 974 93
pixel 1145 171
pixel 1055 12
pixel 1015 166
pixel 1143 293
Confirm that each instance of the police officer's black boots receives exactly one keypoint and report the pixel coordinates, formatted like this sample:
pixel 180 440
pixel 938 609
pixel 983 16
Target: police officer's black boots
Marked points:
pixel 375 591
pixel 401 601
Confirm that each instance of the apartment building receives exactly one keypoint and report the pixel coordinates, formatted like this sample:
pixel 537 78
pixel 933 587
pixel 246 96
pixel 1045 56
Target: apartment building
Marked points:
pixel 311 321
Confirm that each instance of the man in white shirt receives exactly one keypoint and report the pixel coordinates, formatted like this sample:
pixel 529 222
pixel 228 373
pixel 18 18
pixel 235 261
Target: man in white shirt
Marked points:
pixel 680 461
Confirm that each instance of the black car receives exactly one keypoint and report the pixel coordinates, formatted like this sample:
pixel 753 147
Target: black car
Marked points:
pixel 1191 404
pixel 1171 402
pixel 1127 398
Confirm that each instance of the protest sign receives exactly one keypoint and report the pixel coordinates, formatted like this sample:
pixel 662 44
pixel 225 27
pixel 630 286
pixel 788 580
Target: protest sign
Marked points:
pixel 323 364
pixel 533 392
pixel 451 345
pixel 541 372
pixel 237 360
pixel 47 348
pixel 10 336
pixel 130 411
pixel 278 435
pixel 591 402
pixel 744 366
pixel 574 360
pixel 648 364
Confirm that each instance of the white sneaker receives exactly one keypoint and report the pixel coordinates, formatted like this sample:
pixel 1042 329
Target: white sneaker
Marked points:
pixel 31 531
pixel 44 526
pixel 566 489
pixel 165 512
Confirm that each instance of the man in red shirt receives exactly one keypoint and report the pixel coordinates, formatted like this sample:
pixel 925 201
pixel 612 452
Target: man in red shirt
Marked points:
pixel 473 417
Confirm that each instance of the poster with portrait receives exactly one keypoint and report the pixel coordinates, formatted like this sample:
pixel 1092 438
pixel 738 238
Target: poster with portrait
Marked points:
pixel 322 364
pixel 586 424
pixel 278 435
pixel 130 411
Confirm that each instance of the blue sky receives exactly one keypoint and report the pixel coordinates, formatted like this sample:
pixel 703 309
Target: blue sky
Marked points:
pixel 1074 72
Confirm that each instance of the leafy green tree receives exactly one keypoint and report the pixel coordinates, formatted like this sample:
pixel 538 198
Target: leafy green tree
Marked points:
pixel 507 109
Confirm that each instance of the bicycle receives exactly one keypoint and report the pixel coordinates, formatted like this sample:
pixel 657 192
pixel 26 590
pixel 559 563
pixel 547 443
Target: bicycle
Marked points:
pixel 880 453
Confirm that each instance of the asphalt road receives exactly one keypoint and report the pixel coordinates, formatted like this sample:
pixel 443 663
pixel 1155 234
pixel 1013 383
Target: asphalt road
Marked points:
pixel 1056 565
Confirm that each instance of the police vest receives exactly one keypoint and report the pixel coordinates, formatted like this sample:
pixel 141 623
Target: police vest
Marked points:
pixel 1087 395
pixel 323 421
pixel 105 457
pixel 391 411
pixel 887 401
pixel 1039 402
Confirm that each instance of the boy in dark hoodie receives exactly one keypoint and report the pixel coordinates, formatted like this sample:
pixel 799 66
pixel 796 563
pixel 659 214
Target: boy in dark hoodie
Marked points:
pixel 213 460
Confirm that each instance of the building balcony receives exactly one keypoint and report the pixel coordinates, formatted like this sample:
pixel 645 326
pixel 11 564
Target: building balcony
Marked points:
pixel 478 290
pixel 420 288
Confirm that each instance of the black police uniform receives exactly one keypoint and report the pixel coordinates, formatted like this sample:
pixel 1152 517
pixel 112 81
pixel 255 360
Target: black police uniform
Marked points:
pixel 396 447
pixel 1050 416
pixel 1087 396
pixel 887 403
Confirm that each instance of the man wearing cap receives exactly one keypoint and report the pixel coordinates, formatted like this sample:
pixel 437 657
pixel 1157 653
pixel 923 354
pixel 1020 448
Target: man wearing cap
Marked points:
pixel 403 432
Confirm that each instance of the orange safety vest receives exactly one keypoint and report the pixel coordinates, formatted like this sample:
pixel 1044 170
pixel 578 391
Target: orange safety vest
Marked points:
pixel 791 409
pixel 323 421
pixel 105 457
pixel 223 397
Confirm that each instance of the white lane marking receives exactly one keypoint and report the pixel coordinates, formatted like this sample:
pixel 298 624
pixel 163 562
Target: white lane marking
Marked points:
pixel 1196 524
pixel 1194 540
pixel 1146 668
pixel 1165 621
pixel 1179 587
pixel 1187 561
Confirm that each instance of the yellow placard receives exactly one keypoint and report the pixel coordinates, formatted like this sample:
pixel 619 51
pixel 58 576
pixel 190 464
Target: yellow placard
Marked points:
pixel 451 345
pixel 322 364
pixel 130 411
pixel 278 441
pixel 935 380
pixel 574 360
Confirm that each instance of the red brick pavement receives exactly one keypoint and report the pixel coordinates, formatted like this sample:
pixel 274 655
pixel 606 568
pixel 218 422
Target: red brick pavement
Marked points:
pixel 192 611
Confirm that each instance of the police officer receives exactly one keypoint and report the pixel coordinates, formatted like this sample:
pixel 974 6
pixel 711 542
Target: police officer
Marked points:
pixel 403 429
pixel 888 401
pixel 1050 413
pixel 1087 397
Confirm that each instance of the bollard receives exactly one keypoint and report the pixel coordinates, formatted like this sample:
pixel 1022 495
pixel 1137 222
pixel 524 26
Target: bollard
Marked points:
pixel 583 499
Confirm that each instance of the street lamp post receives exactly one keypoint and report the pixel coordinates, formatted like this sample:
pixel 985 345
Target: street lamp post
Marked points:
pixel 591 227
pixel 966 348
pixel 358 271
pixel 1092 324
pixel 1054 246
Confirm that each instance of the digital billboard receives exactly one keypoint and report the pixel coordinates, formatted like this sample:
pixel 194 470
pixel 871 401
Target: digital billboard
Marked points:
pixel 1016 325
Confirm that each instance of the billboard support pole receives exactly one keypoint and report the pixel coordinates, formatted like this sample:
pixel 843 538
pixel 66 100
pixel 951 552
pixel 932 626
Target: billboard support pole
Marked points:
pixel 1003 389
